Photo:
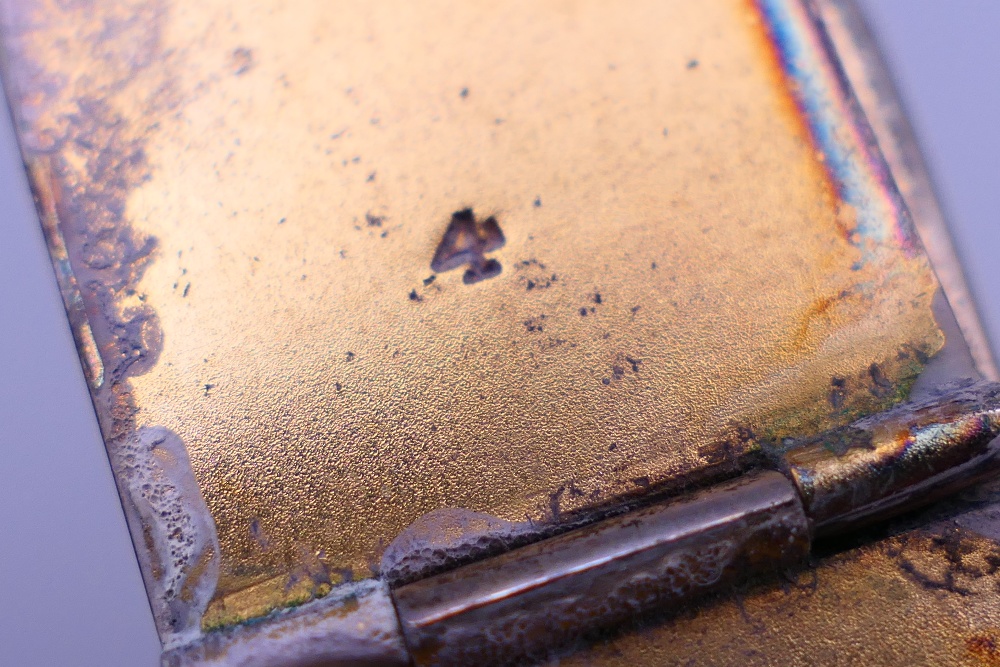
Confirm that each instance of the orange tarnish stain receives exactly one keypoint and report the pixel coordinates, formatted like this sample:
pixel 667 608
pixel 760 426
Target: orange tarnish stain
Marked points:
pixel 820 308
pixel 983 647
pixel 846 222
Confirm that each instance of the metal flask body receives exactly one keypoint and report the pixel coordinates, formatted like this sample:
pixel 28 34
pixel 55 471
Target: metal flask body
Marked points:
pixel 551 332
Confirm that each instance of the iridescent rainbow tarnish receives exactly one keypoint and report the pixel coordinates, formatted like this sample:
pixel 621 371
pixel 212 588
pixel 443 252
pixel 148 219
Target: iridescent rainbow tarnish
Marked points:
pixel 898 458
pixel 838 128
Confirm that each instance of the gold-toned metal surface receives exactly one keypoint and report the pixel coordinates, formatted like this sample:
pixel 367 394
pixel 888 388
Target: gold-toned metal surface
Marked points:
pixel 251 196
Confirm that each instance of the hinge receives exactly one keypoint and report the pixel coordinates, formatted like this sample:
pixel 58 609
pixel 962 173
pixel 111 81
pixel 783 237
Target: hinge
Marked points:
pixel 522 604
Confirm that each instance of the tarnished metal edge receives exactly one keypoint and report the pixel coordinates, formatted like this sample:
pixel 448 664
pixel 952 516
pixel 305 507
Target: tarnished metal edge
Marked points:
pixel 838 128
pixel 117 335
pixel 878 97
pixel 355 624
pixel 40 181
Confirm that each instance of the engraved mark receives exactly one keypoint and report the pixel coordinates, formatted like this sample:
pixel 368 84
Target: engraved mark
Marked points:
pixel 466 242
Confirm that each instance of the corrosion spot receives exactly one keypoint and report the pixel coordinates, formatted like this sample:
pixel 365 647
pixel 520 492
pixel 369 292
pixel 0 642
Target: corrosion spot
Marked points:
pixel 818 311
pixel 535 324
pixel 241 60
pixel 881 385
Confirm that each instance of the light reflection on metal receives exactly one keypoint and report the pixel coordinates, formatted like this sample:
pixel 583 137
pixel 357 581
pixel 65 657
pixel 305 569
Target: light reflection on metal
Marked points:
pixel 534 599
pixel 894 460
pixel 93 366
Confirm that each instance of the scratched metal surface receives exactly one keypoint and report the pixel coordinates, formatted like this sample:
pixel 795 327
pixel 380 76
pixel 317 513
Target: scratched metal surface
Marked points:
pixel 700 248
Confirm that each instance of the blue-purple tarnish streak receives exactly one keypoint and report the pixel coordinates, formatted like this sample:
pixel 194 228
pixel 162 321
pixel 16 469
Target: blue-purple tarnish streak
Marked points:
pixel 837 126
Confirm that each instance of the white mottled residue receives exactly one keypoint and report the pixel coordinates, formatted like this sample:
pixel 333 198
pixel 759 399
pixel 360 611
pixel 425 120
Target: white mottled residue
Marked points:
pixel 157 477
pixel 444 537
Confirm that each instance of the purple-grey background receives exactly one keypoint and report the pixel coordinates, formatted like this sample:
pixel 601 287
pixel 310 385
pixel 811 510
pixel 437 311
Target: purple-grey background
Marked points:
pixel 70 592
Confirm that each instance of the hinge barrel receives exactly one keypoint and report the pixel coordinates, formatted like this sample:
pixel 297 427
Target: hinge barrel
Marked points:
pixel 899 459
pixel 521 604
